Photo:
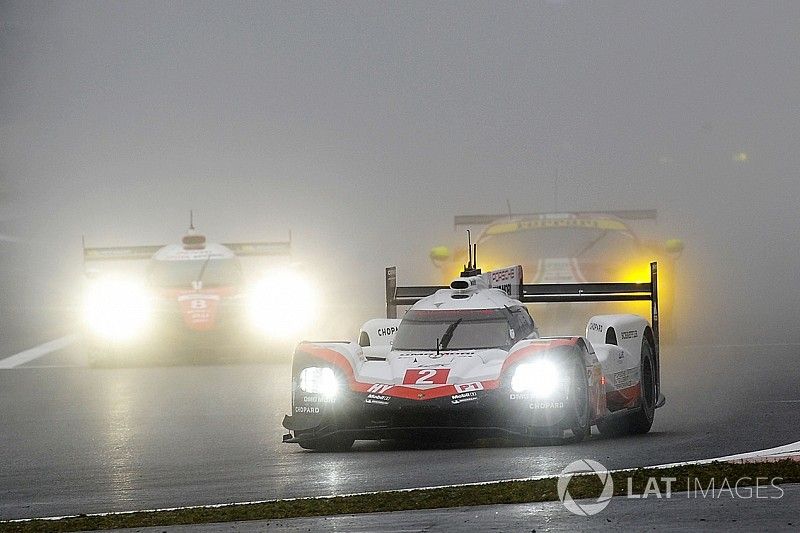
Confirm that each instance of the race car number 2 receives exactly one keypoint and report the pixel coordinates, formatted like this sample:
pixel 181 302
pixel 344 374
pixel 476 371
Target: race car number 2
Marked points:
pixel 426 376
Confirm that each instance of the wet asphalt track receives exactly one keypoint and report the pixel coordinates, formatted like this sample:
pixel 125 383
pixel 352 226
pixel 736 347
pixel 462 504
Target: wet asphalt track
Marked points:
pixel 80 440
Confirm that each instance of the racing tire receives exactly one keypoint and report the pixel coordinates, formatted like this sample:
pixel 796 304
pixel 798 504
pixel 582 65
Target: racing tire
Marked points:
pixel 639 421
pixel 580 421
pixel 331 443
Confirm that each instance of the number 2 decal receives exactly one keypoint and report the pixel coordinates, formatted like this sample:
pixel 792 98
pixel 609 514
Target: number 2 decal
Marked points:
pixel 426 376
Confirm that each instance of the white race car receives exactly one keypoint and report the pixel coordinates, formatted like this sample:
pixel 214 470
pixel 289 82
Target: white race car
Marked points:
pixel 467 361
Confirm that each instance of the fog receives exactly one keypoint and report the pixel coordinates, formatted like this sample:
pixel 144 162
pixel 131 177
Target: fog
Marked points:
pixel 365 127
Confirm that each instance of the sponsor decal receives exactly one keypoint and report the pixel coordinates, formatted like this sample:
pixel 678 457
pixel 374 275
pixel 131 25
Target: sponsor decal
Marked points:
pixel 505 288
pixel 318 399
pixel 514 396
pixel 198 309
pixel 467 387
pixel 463 397
pixel 625 378
pixel 511 227
pixel 595 327
pixel 505 274
pixel 387 332
pixel 379 388
pixel 377 399
pixel 546 405
pixel 306 410
pixel 632 334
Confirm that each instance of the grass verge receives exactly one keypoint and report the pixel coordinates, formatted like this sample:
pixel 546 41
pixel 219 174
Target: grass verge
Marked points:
pixel 688 477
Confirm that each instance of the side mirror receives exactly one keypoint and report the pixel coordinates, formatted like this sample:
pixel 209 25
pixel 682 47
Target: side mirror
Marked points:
pixel 674 246
pixel 440 253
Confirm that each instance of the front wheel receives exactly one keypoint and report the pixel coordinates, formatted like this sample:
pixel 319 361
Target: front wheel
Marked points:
pixel 639 421
pixel 580 420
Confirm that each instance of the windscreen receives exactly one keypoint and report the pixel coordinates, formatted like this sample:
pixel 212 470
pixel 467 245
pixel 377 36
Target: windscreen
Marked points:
pixel 211 272
pixel 477 329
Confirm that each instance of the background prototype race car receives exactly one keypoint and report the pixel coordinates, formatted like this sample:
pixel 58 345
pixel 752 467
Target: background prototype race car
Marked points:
pixel 467 361
pixel 570 248
pixel 194 299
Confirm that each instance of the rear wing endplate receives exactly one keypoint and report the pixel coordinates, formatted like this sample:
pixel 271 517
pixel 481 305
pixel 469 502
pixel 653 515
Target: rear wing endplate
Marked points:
pixel 544 293
pixel 483 220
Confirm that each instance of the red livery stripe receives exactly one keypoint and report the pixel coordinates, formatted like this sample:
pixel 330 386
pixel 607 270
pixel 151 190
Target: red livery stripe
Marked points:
pixel 396 391
pixel 537 347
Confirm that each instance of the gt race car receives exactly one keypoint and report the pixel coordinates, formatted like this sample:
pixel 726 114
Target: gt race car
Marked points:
pixel 578 247
pixel 467 361
pixel 193 300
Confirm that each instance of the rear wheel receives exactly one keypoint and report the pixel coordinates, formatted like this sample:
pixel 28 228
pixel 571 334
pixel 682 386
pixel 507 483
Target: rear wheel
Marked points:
pixel 640 420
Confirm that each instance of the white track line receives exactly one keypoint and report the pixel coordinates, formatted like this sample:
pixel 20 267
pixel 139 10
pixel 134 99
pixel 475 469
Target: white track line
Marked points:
pixel 787 451
pixel 34 353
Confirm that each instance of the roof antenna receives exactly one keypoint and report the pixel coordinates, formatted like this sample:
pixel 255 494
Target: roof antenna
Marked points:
pixel 469 249
pixel 191 220
pixel 471 268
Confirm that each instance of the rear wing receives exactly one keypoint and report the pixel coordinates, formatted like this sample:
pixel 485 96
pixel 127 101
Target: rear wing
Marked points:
pixel 260 248
pixel 132 253
pixel 484 220
pixel 544 293
pixel 112 253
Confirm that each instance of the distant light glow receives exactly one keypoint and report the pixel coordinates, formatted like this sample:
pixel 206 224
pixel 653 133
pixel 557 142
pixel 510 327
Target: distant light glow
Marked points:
pixel 282 304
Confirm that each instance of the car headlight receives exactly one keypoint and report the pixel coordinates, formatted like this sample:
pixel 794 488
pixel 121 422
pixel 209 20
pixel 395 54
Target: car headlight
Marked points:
pixel 117 310
pixel 319 380
pixel 282 304
pixel 540 378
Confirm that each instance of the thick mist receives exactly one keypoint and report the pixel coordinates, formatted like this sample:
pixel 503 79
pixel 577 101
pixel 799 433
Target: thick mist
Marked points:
pixel 364 127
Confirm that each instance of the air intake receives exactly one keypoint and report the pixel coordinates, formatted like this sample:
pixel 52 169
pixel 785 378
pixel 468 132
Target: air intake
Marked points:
pixel 194 242
pixel 460 284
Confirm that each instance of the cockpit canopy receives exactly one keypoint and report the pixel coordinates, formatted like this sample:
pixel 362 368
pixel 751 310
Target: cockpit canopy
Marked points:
pixel 211 272
pixel 463 329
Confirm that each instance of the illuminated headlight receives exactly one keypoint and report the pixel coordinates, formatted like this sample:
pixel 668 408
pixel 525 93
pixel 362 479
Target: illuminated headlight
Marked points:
pixel 282 304
pixel 540 378
pixel 117 310
pixel 319 380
